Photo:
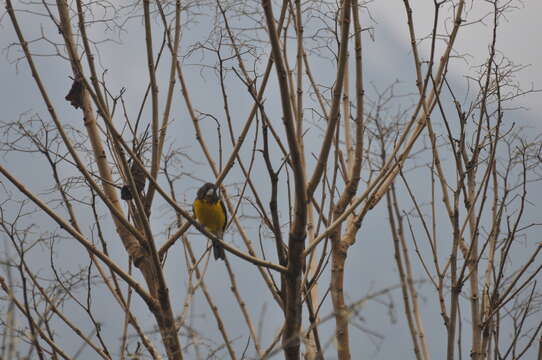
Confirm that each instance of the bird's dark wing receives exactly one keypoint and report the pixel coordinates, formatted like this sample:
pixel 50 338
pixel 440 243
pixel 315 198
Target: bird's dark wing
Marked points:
pixel 225 216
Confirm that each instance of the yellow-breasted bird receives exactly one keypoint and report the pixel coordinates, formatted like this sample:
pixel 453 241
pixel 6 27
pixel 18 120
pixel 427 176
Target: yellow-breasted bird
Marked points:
pixel 210 212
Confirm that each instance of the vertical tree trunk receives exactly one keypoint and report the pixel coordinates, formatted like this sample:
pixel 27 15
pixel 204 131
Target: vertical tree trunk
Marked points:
pixel 338 259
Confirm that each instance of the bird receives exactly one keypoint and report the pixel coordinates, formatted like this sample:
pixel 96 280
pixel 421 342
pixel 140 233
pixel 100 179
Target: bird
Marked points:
pixel 210 212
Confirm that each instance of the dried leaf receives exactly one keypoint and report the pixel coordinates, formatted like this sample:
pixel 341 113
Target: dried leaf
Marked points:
pixel 75 96
pixel 139 179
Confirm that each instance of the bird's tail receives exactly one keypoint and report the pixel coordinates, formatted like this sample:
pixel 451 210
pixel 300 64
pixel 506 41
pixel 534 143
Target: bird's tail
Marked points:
pixel 218 251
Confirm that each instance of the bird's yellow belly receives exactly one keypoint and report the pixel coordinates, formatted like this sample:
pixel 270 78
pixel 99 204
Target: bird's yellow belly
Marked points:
pixel 210 215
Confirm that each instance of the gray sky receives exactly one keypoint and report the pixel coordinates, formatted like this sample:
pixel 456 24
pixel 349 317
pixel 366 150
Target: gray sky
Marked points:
pixel 370 261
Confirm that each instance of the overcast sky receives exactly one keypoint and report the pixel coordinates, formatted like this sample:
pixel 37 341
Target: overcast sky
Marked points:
pixel 387 59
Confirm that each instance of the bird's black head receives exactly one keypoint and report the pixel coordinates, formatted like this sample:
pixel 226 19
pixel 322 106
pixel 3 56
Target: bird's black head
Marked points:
pixel 208 192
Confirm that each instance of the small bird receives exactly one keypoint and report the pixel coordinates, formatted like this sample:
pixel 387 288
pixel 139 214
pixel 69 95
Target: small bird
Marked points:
pixel 210 212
